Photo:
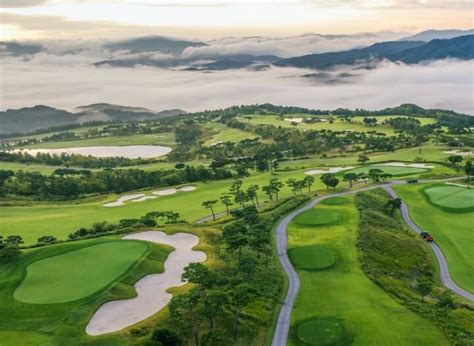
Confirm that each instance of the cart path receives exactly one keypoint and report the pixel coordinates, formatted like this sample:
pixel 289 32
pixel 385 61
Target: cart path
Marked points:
pixel 284 318
pixel 443 264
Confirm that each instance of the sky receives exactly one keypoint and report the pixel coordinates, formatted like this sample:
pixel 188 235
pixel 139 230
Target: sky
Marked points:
pixel 205 19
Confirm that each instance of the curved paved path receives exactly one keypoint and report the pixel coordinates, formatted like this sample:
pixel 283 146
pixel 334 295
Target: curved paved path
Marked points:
pixel 284 319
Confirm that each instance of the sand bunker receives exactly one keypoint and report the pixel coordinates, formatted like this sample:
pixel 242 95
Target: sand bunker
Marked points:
pixel 402 164
pixel 144 198
pixel 330 170
pixel 187 188
pixel 123 199
pixel 165 192
pixel 151 290
pixel 458 152
pixel 294 120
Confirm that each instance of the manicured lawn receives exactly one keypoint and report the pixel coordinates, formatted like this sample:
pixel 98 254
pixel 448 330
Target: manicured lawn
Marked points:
pixel 227 134
pixel 395 171
pixel 453 231
pixel 77 274
pixel 64 323
pixel 314 257
pixel 314 217
pixel 60 219
pixel 342 293
pixel 451 197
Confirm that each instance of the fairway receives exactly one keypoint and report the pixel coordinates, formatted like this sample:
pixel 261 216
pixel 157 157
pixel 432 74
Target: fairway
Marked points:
pixel 453 197
pixel 395 171
pixel 312 257
pixel 78 274
pixel 452 231
pixel 343 293
pixel 314 217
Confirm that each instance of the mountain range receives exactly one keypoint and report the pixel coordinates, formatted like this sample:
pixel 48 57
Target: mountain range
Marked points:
pixel 32 118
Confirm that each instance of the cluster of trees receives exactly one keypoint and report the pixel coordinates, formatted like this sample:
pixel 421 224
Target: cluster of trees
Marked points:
pixel 151 219
pixel 10 248
pixel 69 183
pixel 297 185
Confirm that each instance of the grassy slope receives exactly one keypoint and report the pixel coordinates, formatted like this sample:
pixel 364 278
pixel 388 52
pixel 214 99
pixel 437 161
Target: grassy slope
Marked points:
pixel 59 324
pixel 452 231
pixel 224 133
pixel 76 274
pixel 370 316
pixel 395 171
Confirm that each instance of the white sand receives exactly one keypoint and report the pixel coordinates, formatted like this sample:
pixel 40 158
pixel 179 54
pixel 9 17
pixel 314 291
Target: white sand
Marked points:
pixel 151 290
pixel 144 198
pixel 458 152
pixel 123 199
pixel 187 188
pixel 402 164
pixel 165 192
pixel 294 120
pixel 330 170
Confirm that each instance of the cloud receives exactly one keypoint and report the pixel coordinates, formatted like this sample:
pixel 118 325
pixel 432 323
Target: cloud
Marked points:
pixel 21 3
pixel 68 82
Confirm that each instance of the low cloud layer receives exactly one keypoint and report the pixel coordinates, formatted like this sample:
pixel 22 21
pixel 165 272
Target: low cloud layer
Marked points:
pixel 67 84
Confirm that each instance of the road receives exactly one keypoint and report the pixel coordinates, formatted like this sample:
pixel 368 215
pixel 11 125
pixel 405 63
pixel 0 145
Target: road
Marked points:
pixel 284 319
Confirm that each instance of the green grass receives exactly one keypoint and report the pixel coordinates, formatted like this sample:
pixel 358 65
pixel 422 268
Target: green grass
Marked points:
pixel 64 323
pixel 321 331
pixel 344 293
pixel 314 217
pixel 451 231
pixel 312 257
pixel 395 171
pixel 59 219
pixel 77 274
pixel 335 201
pixel 166 139
pixel 453 198
pixel 223 133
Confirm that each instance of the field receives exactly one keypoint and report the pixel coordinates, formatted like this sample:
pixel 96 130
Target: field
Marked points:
pixel 337 125
pixel 340 305
pixel 395 171
pixel 59 323
pixel 223 133
pixel 77 274
pixel 452 231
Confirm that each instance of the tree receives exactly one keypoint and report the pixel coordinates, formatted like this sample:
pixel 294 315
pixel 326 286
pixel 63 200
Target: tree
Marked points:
pixel 9 249
pixel 292 184
pixel 182 310
pixel 455 160
pixel 350 177
pixel 200 275
pixel 276 186
pixel 252 194
pixel 210 205
pixel 424 287
pixel 213 306
pixel 308 182
pixel 240 296
pixel 394 203
pixel 165 337
pixel 363 158
pixel 385 176
pixel 374 174
pixel 235 236
pixel 469 170
pixel 330 180
pixel 225 199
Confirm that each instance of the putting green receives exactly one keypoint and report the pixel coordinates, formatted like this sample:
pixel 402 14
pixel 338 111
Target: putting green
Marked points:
pixel 77 274
pixel 315 217
pixel 315 257
pixel 335 201
pixel 395 171
pixel 450 196
pixel 321 331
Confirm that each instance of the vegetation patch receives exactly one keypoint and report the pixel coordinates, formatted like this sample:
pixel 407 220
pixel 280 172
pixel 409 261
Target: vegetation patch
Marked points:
pixel 394 171
pixel 317 217
pixel 321 331
pixel 315 257
pixel 335 201
pixel 79 273
pixel 450 197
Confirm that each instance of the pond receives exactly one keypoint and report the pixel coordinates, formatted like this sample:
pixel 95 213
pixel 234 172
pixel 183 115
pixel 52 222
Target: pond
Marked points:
pixel 129 152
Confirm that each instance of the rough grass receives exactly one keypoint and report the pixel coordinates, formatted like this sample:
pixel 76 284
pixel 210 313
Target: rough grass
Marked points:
pixel 452 232
pixel 315 257
pixel 370 316
pixel 78 274
pixel 450 197
pixel 315 217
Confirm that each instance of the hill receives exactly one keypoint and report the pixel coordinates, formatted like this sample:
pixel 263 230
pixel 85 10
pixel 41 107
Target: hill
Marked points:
pixel 429 35
pixel 153 44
